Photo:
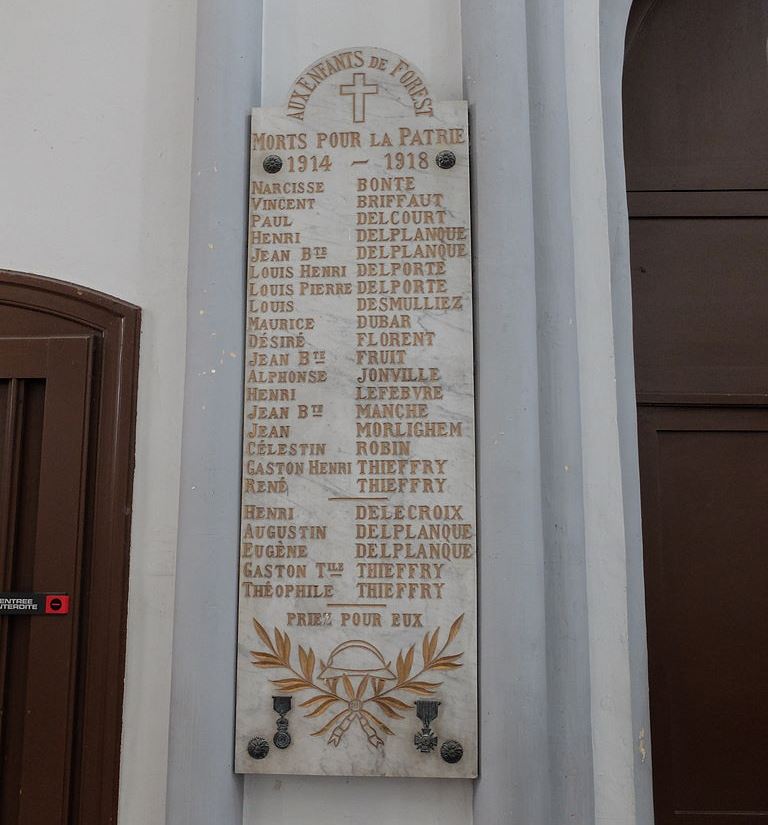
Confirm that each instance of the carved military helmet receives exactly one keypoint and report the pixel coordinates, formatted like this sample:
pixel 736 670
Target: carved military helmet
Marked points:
pixel 356 658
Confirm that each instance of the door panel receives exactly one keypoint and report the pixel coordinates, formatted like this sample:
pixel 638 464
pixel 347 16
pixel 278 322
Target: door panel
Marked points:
pixel 21 407
pixel 695 101
pixel 700 303
pixel 695 107
pixel 46 395
pixel 75 762
pixel 705 486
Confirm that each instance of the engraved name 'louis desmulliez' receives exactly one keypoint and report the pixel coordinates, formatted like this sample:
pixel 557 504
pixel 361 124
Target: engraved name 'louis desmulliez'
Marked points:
pixel 357 551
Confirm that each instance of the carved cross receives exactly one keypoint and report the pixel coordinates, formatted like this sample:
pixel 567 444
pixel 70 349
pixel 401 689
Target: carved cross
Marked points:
pixel 358 89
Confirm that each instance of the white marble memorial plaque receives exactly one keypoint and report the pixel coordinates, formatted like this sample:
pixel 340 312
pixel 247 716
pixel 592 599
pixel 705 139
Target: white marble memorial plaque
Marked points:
pixel 357 620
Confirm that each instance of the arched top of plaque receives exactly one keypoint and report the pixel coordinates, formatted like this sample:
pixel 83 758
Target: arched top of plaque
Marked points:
pixel 367 79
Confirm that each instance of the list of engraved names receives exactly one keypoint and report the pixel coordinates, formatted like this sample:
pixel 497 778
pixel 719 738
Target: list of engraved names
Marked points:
pixel 404 239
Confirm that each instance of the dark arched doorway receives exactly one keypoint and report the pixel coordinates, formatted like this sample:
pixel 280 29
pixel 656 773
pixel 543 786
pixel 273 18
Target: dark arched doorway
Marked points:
pixel 696 147
pixel 68 374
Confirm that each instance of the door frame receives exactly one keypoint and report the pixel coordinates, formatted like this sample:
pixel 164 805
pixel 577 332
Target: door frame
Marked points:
pixel 115 325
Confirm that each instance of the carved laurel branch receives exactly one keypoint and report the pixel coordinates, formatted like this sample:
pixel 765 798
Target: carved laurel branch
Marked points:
pixel 432 659
pixel 277 655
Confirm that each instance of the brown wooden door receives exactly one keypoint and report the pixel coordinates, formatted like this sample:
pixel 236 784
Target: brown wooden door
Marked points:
pixel 67 407
pixel 44 406
pixel 696 145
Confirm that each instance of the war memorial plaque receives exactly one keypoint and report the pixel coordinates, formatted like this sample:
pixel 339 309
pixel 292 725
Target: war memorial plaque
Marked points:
pixel 357 609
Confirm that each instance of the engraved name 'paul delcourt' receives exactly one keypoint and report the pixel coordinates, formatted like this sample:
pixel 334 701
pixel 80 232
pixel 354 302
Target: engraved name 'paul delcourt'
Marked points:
pixel 357 556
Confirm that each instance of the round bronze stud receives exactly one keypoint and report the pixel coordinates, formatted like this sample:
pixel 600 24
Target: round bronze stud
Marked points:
pixel 272 164
pixel 258 748
pixel 451 751
pixel 445 159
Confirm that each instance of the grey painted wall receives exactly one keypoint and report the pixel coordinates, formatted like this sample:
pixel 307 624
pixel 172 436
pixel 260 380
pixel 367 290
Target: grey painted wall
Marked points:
pixel 563 663
pixel 613 24
pixel 201 786
pixel 514 762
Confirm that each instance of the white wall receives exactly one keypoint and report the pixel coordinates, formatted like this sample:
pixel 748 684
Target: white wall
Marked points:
pixel 95 136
